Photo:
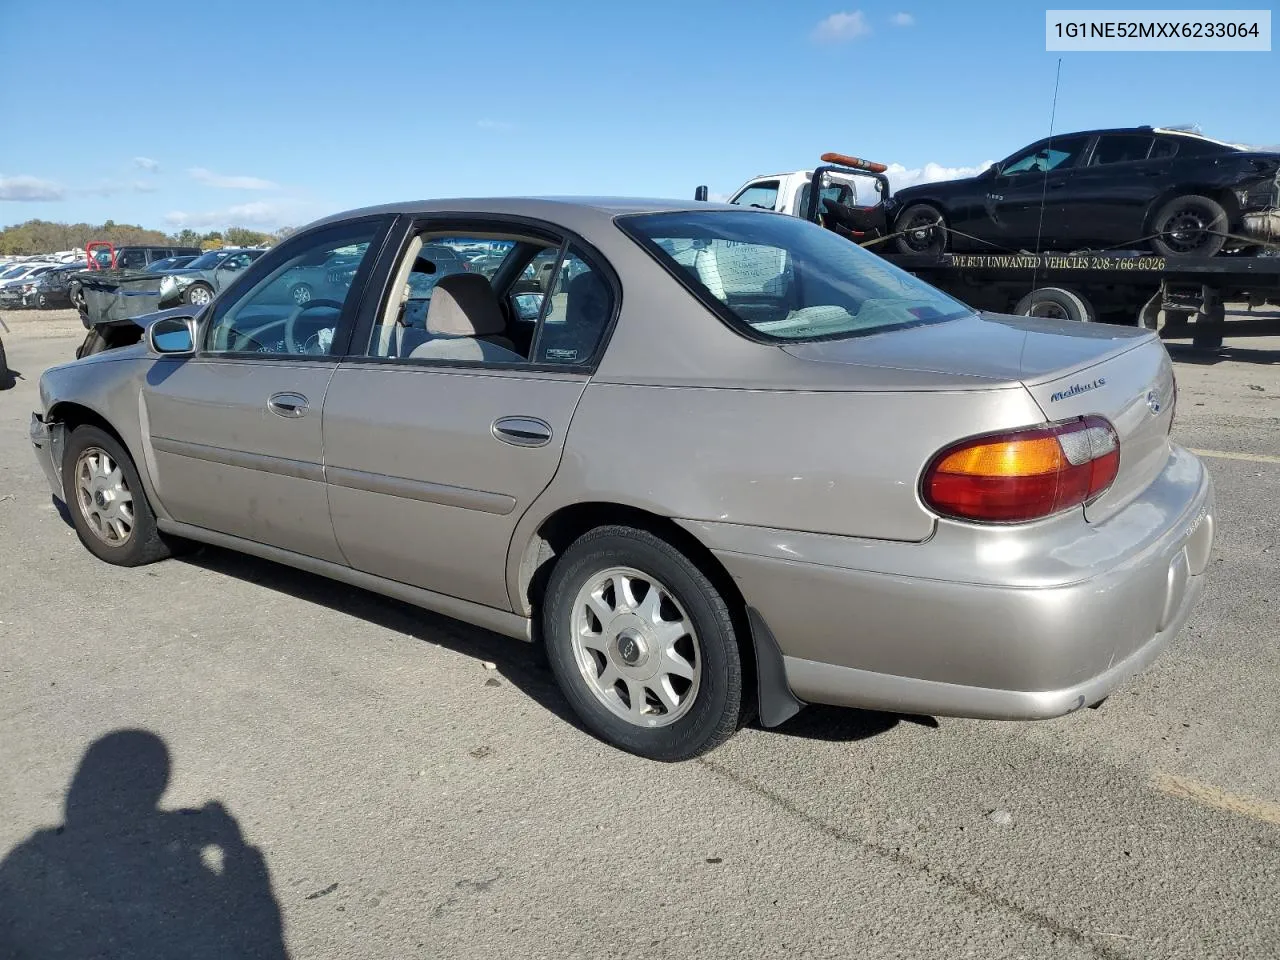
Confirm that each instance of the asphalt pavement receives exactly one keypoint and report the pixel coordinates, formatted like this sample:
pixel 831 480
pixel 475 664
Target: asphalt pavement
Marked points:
pixel 319 771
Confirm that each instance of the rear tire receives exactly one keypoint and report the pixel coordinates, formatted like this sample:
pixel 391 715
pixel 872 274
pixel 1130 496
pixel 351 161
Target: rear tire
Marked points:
pixel 1055 303
pixel 661 679
pixel 107 502
pixel 921 229
pixel 6 375
pixel 1189 226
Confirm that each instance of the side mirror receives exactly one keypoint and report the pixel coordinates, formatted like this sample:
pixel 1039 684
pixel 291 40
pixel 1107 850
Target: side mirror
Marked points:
pixel 991 172
pixel 700 194
pixel 172 335
pixel 528 305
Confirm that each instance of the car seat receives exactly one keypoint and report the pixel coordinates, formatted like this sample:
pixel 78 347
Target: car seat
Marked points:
pixel 465 322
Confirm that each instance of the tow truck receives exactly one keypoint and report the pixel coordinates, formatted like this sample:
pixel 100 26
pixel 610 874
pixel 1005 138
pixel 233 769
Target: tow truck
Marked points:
pixel 1180 297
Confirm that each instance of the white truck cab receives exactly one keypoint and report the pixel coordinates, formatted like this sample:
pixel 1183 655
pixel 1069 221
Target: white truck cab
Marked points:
pixel 789 192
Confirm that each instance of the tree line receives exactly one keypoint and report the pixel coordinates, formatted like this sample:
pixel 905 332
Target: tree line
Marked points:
pixel 45 236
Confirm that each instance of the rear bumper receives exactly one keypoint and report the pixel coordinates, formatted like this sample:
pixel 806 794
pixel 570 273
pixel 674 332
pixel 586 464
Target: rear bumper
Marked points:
pixel 1013 624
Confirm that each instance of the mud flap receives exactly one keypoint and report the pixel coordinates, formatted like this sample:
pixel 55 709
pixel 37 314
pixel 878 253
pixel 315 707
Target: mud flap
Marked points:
pixel 776 701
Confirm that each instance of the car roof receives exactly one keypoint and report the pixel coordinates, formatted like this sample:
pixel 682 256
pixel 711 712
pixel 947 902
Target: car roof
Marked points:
pixel 568 211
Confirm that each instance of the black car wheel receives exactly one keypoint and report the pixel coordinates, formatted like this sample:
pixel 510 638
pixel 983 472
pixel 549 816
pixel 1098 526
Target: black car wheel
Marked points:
pixel 42 301
pixel 921 229
pixel 1189 226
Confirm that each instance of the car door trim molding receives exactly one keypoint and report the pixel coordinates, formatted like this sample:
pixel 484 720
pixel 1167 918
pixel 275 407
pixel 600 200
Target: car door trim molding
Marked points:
pixel 425 491
pixel 263 463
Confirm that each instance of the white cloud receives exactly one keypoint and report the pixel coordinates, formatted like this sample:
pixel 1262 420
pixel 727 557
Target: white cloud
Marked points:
pixel 111 187
pixel 258 213
pixel 225 182
pixel 900 176
pixel 903 20
pixel 502 125
pixel 24 188
pixel 147 164
pixel 840 27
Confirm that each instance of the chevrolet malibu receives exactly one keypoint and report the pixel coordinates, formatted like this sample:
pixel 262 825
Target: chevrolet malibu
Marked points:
pixel 721 463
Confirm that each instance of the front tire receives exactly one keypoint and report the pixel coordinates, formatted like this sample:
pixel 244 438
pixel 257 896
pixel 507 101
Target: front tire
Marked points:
pixel 106 500
pixel 1189 226
pixel 301 294
pixel 643 645
pixel 921 229
pixel 198 294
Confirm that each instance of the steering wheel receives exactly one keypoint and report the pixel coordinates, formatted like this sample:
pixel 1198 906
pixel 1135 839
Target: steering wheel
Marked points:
pixel 290 321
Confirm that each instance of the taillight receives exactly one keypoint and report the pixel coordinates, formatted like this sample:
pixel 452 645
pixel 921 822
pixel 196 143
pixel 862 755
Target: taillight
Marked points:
pixel 1024 474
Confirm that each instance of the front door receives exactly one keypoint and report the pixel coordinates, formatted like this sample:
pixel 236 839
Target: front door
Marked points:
pixel 442 435
pixel 1039 177
pixel 234 431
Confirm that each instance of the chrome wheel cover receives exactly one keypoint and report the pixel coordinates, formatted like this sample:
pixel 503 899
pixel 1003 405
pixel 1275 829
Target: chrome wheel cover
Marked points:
pixel 104 498
pixel 636 647
pixel 199 296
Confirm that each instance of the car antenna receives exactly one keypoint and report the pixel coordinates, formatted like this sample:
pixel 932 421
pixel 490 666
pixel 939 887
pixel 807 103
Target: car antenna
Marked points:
pixel 1044 188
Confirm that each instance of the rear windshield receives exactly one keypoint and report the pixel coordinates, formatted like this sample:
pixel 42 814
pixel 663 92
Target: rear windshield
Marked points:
pixel 782 278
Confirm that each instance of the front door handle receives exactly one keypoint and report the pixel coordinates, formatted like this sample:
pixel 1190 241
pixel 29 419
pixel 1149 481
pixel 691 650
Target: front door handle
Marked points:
pixel 522 431
pixel 292 405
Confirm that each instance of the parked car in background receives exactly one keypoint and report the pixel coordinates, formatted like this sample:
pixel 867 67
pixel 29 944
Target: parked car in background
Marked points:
pixel 53 288
pixel 205 276
pixel 17 285
pixel 960 480
pixel 1176 192
pixel 170 263
pixel 104 256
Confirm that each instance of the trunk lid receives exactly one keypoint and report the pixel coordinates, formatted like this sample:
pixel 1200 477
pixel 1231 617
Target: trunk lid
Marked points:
pixel 1070 369
pixel 1135 391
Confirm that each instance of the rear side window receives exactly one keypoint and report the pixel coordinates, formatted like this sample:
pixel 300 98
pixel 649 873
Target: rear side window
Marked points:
pixel 780 278
pixel 1164 148
pixel 1120 148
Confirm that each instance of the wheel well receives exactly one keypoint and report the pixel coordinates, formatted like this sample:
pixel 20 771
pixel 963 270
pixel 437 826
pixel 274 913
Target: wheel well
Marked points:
pixel 1222 195
pixel 75 415
pixel 566 525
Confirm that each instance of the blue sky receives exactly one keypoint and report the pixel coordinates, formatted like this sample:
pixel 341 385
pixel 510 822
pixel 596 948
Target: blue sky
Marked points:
pixel 271 113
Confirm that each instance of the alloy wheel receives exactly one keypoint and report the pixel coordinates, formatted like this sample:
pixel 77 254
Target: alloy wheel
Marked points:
pixel 636 647
pixel 105 500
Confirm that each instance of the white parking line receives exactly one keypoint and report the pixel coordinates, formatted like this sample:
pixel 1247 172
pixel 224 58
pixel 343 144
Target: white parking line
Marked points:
pixel 1211 796
pixel 1224 455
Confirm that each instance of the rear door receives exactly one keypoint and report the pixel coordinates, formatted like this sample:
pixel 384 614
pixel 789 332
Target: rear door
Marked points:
pixel 234 432
pixel 1112 190
pixel 431 461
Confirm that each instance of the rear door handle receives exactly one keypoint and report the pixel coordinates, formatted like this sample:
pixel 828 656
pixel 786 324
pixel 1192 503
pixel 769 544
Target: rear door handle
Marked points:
pixel 292 405
pixel 522 431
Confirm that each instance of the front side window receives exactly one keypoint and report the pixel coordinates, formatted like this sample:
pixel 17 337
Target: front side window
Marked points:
pixel 781 278
pixel 271 318
pixel 1054 155
pixel 1120 148
pixel 763 195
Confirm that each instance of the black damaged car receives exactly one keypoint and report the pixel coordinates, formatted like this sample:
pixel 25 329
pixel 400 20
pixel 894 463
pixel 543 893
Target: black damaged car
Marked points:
pixel 1174 192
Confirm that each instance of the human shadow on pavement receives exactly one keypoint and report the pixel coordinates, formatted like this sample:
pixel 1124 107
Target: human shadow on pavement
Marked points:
pixel 522 664
pixel 125 879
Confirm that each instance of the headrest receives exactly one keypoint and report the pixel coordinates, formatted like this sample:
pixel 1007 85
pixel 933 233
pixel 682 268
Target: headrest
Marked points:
pixel 464 305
